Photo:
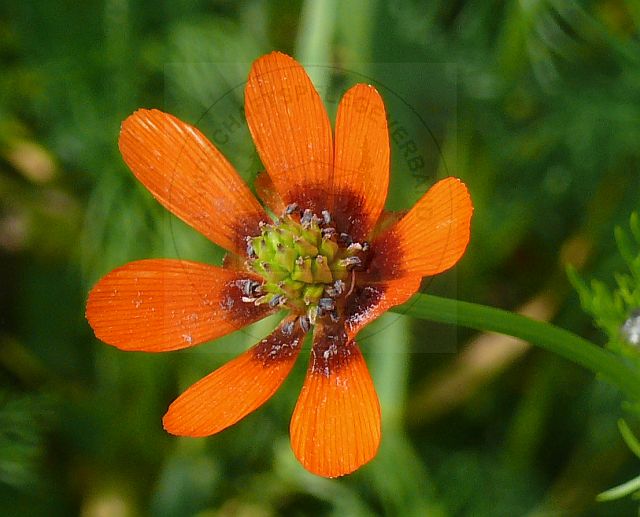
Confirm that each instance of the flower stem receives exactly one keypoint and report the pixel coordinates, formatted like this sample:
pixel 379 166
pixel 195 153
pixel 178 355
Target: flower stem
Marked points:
pixel 542 334
pixel 315 37
pixel 389 366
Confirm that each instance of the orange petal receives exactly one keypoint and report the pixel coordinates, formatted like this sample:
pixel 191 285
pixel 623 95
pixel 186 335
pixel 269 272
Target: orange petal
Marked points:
pixel 160 305
pixel 237 388
pixel 368 302
pixel 361 173
pixel 190 177
pixel 335 427
pixel 291 130
pixel 430 239
pixel 267 192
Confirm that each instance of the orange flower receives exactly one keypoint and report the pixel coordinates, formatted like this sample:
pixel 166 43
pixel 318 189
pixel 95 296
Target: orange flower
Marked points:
pixel 333 257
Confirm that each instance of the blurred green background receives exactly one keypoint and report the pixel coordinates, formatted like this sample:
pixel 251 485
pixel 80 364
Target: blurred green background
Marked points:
pixel 536 105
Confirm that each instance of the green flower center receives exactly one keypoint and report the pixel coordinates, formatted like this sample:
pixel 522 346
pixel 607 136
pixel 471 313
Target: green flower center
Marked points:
pixel 305 265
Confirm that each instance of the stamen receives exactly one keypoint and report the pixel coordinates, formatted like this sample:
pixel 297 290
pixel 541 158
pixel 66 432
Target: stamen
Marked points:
pixel 304 263
pixel 278 299
pixel 291 208
pixel 312 314
pixel 346 239
pixel 336 289
pixel 263 299
pixel 353 282
pixel 247 286
pixel 287 328
pixel 351 262
pixel 327 304
pixel 306 218
pixel 328 233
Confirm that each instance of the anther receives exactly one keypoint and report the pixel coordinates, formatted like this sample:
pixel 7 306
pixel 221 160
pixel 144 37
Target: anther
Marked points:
pixel 327 304
pixel 278 299
pixel 345 238
pixel 291 208
pixel 247 286
pixel 327 233
pixel 287 328
pixel 244 286
pixel 336 289
pixel 334 316
pixel 326 216
pixel 351 261
pixel 306 218
pixel 304 323
pixel 354 246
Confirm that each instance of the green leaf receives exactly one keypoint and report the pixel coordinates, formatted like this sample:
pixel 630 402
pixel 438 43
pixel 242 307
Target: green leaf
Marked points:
pixel 620 490
pixel 629 438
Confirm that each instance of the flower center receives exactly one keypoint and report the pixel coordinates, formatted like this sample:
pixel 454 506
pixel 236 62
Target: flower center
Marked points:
pixel 305 264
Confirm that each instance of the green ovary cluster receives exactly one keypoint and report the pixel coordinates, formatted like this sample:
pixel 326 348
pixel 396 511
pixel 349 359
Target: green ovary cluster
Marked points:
pixel 303 265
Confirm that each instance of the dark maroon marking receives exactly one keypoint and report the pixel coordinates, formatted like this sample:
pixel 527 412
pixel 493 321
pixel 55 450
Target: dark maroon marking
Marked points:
pixel 283 343
pixel 348 211
pixel 266 190
pixel 331 350
pixel 346 208
pixel 247 225
pixel 312 197
pixel 233 261
pixel 386 221
pixel 385 259
pixel 363 299
pixel 239 312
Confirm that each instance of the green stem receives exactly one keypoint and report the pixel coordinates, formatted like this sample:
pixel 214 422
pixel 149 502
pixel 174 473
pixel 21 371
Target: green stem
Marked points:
pixel 315 36
pixel 545 335
pixel 389 366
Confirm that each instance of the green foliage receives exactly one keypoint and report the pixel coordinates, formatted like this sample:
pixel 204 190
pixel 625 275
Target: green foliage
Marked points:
pixel 23 421
pixel 534 104
pixel 632 485
pixel 615 310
